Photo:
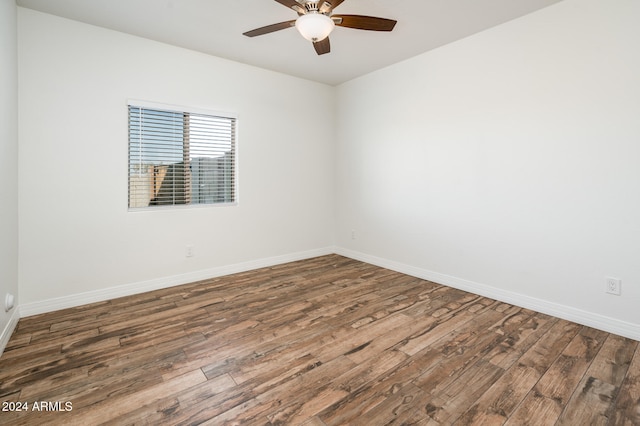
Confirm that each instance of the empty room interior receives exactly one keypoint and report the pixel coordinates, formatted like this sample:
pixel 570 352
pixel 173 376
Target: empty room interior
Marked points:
pixel 432 219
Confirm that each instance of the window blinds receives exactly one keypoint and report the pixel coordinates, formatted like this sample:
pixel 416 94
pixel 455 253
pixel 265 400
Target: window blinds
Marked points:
pixel 180 157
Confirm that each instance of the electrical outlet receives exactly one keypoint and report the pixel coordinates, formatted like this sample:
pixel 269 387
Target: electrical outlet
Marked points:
pixel 189 251
pixel 8 302
pixel 613 285
pixel 353 234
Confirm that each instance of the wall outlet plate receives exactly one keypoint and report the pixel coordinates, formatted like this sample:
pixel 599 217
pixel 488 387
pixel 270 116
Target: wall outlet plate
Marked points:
pixel 8 302
pixel 613 285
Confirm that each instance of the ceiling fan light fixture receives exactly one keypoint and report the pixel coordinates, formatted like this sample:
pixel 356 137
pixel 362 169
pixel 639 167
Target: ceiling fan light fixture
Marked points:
pixel 315 26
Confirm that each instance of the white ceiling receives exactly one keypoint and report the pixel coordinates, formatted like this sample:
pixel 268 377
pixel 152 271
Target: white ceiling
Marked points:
pixel 215 27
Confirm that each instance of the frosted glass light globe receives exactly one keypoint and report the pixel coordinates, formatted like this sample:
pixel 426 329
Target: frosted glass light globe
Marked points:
pixel 315 26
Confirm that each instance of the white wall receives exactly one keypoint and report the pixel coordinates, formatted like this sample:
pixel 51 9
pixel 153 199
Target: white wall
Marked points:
pixel 8 165
pixel 76 234
pixel 506 163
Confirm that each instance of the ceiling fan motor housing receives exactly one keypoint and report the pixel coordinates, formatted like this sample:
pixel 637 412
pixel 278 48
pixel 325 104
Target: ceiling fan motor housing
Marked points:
pixel 312 7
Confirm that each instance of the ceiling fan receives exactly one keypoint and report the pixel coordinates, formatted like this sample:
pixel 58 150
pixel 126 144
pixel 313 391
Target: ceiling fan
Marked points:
pixel 316 21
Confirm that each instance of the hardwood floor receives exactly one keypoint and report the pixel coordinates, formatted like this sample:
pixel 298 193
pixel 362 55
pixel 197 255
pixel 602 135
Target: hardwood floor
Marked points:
pixel 325 341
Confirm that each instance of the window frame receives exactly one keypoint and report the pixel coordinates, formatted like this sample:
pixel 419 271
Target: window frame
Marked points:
pixel 136 103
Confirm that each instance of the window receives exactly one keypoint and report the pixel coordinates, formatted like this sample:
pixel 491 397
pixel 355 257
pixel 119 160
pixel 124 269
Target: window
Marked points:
pixel 180 157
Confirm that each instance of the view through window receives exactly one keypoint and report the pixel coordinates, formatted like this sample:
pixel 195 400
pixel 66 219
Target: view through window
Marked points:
pixel 180 157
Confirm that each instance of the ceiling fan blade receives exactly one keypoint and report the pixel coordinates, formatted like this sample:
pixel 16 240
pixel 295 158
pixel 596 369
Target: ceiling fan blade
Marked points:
pixel 270 28
pixel 288 3
pixel 360 22
pixel 292 4
pixel 333 3
pixel 322 46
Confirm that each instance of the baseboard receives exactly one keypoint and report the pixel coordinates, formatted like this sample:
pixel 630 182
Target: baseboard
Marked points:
pixel 601 322
pixel 8 329
pixel 569 313
pixel 74 300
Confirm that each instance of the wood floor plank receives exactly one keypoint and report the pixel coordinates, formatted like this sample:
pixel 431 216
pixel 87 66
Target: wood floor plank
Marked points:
pixel 366 397
pixel 500 401
pixel 251 412
pixel 552 393
pixel 313 421
pixel 464 352
pixel 399 402
pixel 114 407
pixel 627 408
pixel 549 346
pixel 447 406
pixel 560 380
pixel 536 410
pixel 592 400
pixel 520 340
pixel 114 373
pixel 497 404
pixel 318 342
